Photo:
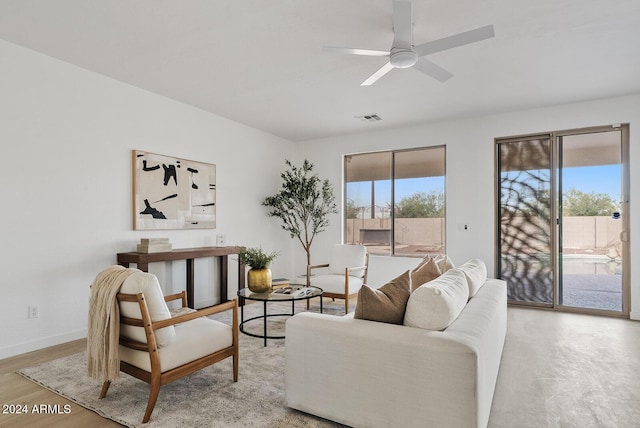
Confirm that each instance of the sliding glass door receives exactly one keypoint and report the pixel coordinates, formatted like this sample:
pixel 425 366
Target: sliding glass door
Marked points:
pixel 524 223
pixel 562 204
pixel 591 255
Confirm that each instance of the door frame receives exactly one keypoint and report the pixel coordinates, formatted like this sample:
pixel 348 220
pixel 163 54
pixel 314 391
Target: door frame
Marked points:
pixel 554 209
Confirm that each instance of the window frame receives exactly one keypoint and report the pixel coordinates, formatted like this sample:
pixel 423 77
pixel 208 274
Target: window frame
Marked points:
pixel 393 202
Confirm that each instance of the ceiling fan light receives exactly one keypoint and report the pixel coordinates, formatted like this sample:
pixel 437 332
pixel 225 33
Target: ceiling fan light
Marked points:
pixel 403 58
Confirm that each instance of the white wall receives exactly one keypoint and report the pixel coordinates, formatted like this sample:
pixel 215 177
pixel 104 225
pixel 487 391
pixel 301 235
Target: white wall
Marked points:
pixel 66 136
pixel 470 171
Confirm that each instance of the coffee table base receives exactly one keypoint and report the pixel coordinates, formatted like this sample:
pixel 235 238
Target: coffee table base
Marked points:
pixel 265 317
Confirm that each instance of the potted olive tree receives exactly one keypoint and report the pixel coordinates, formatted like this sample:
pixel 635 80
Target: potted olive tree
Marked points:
pixel 303 204
pixel 259 275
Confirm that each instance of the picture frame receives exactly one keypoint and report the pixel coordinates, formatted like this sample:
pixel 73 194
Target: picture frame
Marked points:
pixel 172 193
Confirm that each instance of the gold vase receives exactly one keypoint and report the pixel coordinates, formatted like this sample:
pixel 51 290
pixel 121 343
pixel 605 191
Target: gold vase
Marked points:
pixel 259 280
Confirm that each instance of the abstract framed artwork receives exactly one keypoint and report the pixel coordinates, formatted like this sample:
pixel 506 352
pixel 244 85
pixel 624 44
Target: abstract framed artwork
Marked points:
pixel 172 193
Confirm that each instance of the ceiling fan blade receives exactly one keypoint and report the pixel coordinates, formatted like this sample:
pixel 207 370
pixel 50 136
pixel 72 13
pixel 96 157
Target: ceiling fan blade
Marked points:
pixel 378 74
pixel 352 51
pixel 454 41
pixel 433 70
pixel 403 24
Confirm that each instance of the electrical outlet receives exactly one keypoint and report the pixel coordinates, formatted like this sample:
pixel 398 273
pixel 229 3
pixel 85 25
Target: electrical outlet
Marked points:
pixel 33 312
pixel 221 240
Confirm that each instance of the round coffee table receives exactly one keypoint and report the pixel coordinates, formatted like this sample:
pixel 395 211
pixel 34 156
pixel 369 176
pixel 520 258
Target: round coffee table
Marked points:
pixel 273 296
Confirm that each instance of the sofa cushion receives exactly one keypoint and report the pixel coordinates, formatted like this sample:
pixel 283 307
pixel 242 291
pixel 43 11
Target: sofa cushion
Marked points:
pixel 146 283
pixel 436 304
pixel 193 339
pixel 424 272
pixel 387 303
pixel 476 273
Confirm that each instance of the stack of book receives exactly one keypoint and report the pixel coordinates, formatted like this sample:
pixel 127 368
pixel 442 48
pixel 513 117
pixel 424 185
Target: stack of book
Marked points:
pixel 154 245
pixel 279 282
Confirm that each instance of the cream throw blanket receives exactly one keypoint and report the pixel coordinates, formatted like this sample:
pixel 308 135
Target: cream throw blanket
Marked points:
pixel 103 362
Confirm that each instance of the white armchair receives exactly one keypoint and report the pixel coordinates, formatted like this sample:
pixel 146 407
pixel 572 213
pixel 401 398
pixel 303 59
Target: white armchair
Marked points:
pixel 345 273
pixel 158 348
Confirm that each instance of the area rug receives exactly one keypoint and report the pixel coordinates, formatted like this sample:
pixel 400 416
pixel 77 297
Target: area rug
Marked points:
pixel 207 398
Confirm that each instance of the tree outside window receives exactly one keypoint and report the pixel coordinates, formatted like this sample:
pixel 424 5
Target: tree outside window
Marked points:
pixel 396 196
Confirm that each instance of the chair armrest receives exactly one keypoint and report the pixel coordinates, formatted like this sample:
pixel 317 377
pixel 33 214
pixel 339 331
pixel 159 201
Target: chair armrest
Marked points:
pixel 233 304
pixel 356 268
pixel 178 296
pixel 309 267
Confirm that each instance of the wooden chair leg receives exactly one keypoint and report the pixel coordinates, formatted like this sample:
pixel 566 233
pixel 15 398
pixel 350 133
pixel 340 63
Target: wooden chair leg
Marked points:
pixel 346 304
pixel 236 343
pixel 153 397
pixel 235 365
pixel 105 388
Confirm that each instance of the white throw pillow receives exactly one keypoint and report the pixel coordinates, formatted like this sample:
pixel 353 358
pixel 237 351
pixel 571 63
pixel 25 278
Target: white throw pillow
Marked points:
pixel 146 283
pixel 476 273
pixel 436 304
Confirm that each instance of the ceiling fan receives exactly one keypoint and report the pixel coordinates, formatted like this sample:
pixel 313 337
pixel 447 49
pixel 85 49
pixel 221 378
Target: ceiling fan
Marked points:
pixel 403 54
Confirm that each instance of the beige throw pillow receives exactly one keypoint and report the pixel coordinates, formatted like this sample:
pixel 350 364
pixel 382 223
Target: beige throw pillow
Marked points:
pixel 424 272
pixel 444 263
pixel 387 303
pixel 423 261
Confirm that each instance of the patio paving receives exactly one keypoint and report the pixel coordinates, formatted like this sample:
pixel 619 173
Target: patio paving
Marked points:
pixel 592 291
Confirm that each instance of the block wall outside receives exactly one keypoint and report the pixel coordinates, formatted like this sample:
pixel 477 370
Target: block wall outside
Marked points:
pixel 580 233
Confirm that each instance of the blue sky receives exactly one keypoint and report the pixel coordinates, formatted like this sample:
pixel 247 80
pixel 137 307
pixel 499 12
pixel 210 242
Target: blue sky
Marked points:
pixel 598 179
pixel 360 192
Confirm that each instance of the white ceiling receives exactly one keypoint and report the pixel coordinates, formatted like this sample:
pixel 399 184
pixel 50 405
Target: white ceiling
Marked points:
pixel 260 62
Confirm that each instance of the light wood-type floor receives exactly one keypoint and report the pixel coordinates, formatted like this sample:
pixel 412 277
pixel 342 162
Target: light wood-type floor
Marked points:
pixel 14 389
pixel 557 370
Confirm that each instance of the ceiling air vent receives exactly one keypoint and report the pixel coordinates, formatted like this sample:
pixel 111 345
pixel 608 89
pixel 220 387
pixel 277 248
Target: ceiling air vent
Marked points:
pixel 370 118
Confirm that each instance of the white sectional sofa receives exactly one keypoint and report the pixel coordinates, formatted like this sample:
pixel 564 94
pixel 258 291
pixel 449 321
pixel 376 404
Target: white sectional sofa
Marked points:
pixel 371 374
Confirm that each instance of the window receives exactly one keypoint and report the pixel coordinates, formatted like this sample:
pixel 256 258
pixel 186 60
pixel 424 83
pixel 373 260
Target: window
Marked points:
pixel 395 201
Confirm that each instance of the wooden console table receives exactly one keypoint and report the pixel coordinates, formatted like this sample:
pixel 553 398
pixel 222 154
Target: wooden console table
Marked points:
pixel 142 261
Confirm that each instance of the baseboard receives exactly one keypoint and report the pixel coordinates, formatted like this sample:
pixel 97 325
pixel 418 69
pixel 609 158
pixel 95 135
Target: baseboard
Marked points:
pixel 634 315
pixel 45 342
